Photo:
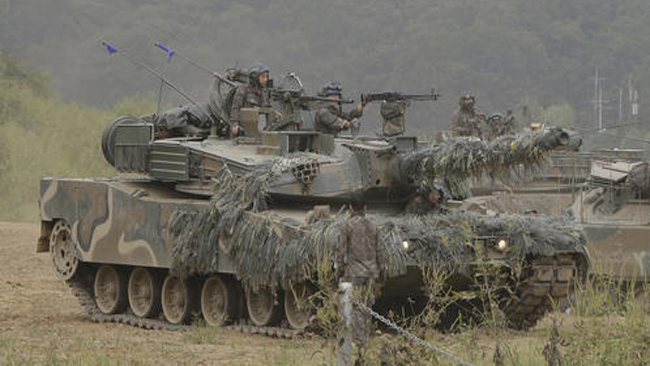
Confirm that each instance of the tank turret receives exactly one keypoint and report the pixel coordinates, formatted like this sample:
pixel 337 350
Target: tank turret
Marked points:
pixel 314 165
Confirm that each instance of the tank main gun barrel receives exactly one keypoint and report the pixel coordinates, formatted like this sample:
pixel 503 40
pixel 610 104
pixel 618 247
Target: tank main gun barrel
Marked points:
pixel 553 138
pixel 461 158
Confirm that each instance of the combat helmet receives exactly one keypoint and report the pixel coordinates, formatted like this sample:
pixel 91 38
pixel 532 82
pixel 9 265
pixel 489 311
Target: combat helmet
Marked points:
pixel 495 117
pixel 331 88
pixel 467 100
pixel 255 72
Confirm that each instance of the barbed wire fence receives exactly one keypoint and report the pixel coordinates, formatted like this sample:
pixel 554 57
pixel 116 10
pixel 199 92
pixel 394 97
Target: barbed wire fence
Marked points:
pixel 410 336
pixel 348 301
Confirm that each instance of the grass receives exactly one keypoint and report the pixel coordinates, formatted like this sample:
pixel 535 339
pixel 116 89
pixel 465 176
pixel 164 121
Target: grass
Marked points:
pixel 608 324
pixel 202 334
pixel 604 327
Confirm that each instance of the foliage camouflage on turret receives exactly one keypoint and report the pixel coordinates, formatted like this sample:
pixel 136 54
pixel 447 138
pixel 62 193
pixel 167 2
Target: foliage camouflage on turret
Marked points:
pixel 458 159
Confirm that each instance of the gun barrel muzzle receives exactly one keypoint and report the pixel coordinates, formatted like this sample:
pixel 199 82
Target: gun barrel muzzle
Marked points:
pixel 563 138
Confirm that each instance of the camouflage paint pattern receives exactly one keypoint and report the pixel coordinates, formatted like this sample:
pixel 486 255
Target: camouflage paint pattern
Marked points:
pixel 114 222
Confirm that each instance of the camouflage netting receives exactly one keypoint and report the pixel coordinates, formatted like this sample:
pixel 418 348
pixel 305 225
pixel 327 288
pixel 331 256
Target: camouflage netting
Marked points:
pixel 270 251
pixel 639 180
pixel 458 159
pixel 198 233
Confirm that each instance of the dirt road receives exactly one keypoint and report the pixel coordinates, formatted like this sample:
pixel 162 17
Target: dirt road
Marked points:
pixel 42 323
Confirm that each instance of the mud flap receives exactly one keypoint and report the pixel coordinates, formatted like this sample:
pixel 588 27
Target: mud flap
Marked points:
pixel 43 243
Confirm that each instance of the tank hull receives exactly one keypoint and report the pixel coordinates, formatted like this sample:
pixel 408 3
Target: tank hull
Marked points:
pixel 124 226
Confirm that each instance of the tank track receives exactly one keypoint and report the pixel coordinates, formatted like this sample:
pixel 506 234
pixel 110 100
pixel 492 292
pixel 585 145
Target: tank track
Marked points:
pixel 547 282
pixel 82 289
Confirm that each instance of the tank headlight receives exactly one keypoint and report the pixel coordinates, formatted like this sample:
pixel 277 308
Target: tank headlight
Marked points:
pixel 502 244
pixel 406 244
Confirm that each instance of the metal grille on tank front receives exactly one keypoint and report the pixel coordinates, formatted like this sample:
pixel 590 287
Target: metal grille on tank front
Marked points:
pixel 306 173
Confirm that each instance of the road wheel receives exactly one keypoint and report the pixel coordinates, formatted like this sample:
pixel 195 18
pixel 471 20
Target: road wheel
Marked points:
pixel 144 293
pixel 62 250
pixel 297 306
pixel 219 300
pixel 110 290
pixel 263 307
pixel 178 300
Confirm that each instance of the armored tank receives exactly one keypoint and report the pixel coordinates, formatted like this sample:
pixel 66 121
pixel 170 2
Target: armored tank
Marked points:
pixel 613 208
pixel 241 229
pixel 606 192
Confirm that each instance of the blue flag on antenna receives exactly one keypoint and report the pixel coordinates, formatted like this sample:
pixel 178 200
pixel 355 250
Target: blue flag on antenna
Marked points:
pixel 110 48
pixel 170 52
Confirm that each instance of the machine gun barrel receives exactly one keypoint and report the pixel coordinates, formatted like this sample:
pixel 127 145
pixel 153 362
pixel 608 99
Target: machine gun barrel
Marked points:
pixel 391 96
pixel 297 95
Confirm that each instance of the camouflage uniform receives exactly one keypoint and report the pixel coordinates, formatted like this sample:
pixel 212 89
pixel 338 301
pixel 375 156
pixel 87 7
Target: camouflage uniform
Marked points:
pixel 331 119
pixel 509 125
pixel 393 115
pixel 498 125
pixel 467 122
pixel 494 127
pixel 246 96
pixel 361 260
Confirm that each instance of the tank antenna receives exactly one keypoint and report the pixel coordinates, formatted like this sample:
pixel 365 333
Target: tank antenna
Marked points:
pixel 171 52
pixel 112 50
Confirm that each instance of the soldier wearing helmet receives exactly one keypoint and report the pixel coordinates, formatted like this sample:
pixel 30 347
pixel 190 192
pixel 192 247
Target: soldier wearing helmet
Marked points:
pixel 249 95
pixel 332 119
pixel 500 125
pixel 467 119
pixel 494 126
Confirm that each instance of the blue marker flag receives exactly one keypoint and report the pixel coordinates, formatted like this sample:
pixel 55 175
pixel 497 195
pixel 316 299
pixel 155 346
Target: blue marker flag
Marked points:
pixel 110 48
pixel 169 51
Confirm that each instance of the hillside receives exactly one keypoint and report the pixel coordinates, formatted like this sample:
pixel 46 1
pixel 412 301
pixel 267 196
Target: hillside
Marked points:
pixel 510 53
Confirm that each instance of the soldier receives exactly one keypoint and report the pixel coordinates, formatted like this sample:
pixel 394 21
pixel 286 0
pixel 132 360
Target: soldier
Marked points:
pixel 332 119
pixel 467 119
pixel 249 95
pixel 425 201
pixel 494 126
pixel 361 261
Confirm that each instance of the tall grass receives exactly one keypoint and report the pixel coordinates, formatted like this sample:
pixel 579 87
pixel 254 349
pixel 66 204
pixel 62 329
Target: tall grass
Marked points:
pixel 42 136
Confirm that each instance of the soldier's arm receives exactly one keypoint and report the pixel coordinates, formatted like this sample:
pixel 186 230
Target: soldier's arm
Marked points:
pixel 237 104
pixel 354 113
pixel 480 116
pixel 456 128
pixel 332 121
